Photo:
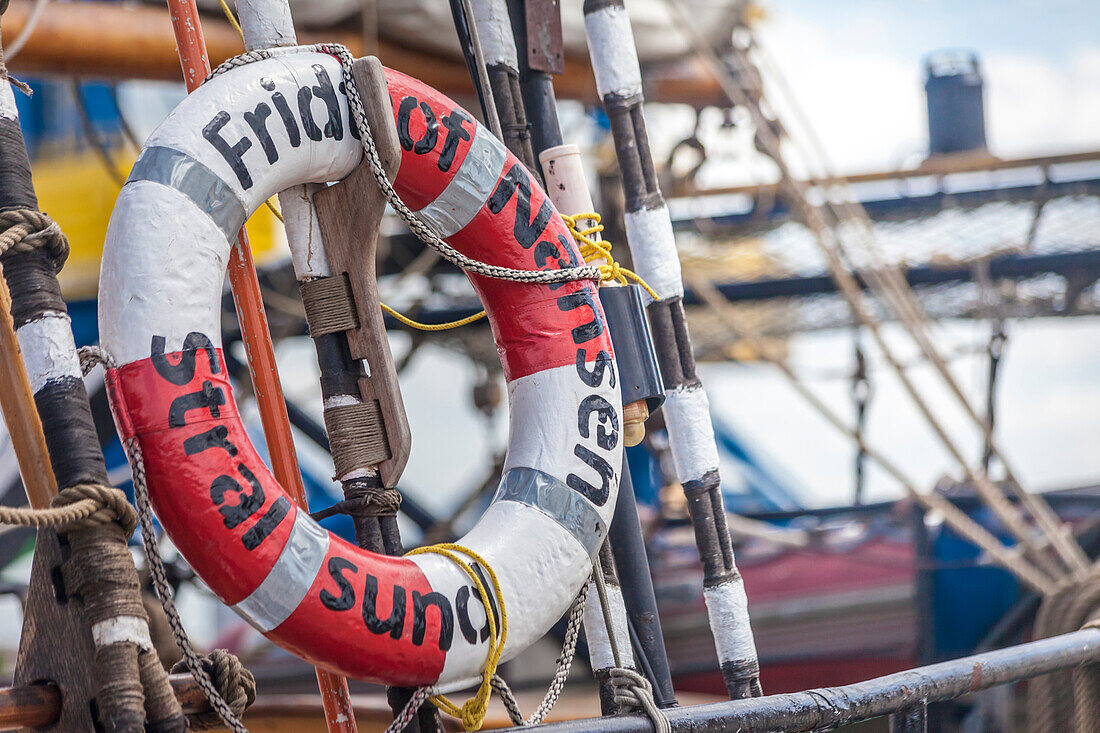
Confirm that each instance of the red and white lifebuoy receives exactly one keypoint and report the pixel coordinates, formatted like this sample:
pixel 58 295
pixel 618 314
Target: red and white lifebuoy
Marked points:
pixel 230 145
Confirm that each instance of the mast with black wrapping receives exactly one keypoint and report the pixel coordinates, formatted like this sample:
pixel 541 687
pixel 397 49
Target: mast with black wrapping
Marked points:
pixel 686 408
pixel 129 683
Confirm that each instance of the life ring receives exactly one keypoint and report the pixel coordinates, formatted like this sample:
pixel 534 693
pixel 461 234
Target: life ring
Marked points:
pixel 220 154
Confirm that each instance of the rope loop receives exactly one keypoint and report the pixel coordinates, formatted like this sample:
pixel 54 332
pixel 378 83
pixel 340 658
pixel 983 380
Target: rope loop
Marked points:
pixel 110 504
pixel 27 230
pixel 472 712
pixel 233 681
pixel 632 690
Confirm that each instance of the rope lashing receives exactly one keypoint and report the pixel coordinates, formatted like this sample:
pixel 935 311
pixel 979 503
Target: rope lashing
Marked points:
pixel 234 683
pixel 472 712
pixel 363 499
pixel 26 230
pixel 90 356
pixel 600 249
pixel 78 507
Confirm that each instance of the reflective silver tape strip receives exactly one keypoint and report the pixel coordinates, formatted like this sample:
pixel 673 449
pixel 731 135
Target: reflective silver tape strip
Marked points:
pixel 194 180
pixel 556 500
pixel 290 578
pixel 470 188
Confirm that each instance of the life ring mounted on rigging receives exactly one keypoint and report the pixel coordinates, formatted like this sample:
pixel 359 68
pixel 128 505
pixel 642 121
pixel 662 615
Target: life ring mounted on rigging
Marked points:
pixel 237 140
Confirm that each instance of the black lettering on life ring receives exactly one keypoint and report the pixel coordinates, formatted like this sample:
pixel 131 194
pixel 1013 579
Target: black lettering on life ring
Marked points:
pixel 257 120
pixel 603 468
pixel 421 604
pixel 526 230
pixel 336 567
pixel 605 416
pixel 462 611
pixel 209 397
pixel 232 152
pixel 585 297
pixel 262 529
pixel 183 372
pixel 235 514
pixel 427 141
pixel 455 133
pixel 215 437
pixel 395 624
pixel 603 364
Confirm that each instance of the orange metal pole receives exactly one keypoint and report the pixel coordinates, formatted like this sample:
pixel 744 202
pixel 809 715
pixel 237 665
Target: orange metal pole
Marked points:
pixel 335 697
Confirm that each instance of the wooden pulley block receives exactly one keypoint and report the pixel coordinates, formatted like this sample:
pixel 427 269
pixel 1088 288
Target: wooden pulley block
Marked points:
pixel 350 213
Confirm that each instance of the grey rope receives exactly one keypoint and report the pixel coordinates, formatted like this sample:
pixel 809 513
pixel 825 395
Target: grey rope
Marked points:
pixel 89 357
pixel 422 230
pixel 631 689
pixel 561 674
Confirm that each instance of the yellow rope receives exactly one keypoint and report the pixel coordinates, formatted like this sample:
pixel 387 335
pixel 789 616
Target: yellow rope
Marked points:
pixel 432 326
pixel 592 249
pixel 472 712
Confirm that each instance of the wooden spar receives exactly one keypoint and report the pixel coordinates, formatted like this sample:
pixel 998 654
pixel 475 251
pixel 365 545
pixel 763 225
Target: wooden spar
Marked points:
pixel 21 415
pixel 109 40
pixel 260 351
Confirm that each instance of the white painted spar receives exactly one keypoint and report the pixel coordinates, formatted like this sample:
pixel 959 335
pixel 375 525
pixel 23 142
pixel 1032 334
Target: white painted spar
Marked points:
pixel 49 352
pixel 600 653
pixel 266 24
pixel 8 110
pixel 567 187
pixel 614 57
pixel 163 265
pixel 687 415
pixel 122 630
pixel 728 612
pixel 494 30
pixel 303 228
pixel 653 245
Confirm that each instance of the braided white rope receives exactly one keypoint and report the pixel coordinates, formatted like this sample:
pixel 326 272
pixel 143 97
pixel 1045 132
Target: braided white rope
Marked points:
pixel 561 674
pixel 421 229
pixel 90 356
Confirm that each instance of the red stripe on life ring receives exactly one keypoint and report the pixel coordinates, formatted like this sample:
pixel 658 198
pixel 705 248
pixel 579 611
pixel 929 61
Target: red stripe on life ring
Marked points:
pixel 197 453
pixel 518 227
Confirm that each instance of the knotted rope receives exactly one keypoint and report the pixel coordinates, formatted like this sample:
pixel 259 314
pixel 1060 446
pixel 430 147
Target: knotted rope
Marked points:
pixel 1068 700
pixel 234 683
pixel 27 230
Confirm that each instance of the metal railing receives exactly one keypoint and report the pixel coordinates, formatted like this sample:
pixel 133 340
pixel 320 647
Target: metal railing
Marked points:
pixel 904 696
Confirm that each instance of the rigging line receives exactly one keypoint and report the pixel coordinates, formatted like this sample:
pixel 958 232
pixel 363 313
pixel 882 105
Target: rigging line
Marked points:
pixel 888 281
pixel 826 239
pixel 16 46
pixel 92 135
pixel 891 284
pixel 468 37
pixel 958 520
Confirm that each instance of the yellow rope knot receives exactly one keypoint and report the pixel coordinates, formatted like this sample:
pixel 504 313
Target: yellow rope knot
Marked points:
pixel 600 249
pixel 472 712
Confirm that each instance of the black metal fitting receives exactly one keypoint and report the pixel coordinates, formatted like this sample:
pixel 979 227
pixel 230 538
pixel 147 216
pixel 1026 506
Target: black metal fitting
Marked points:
pixel 639 375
